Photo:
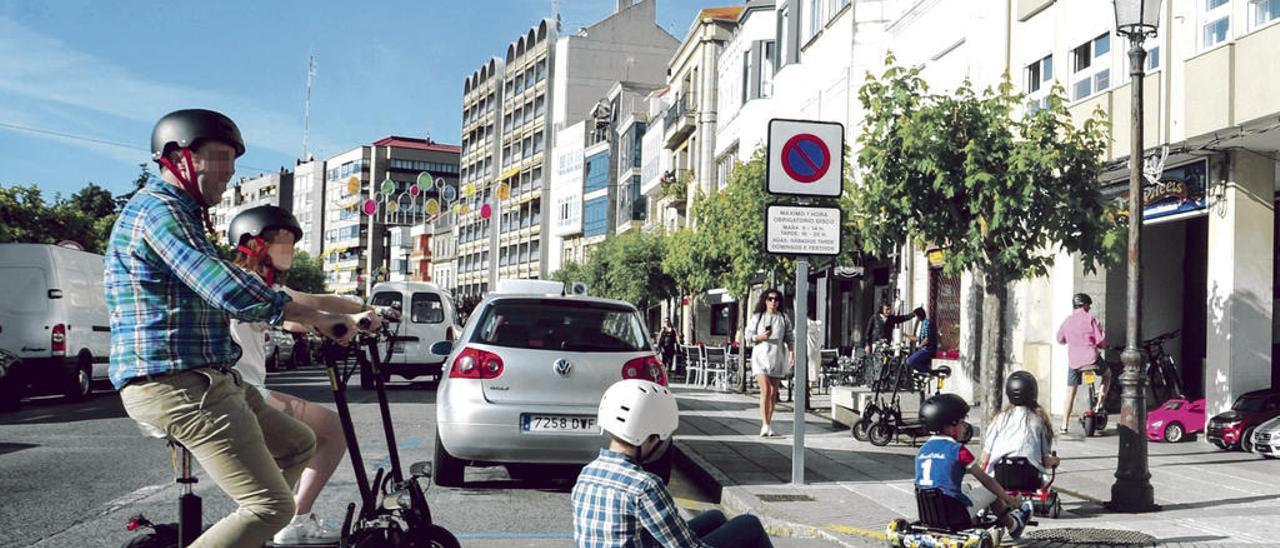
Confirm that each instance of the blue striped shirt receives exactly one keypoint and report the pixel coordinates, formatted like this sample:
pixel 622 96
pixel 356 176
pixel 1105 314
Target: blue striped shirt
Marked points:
pixel 170 296
pixel 616 504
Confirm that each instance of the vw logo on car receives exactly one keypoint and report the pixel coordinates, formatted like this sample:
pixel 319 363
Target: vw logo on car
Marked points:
pixel 563 367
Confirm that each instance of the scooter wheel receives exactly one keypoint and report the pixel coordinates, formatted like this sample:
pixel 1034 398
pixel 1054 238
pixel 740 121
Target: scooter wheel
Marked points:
pixel 1055 506
pixel 879 434
pixel 439 537
pixel 1102 422
pixel 1090 425
pixel 860 429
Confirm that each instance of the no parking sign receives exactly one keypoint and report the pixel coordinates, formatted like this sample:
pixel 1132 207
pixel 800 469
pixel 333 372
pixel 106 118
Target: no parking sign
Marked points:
pixel 806 158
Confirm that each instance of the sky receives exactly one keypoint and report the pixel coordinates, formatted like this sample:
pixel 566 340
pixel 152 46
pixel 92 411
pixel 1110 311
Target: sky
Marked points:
pixel 83 81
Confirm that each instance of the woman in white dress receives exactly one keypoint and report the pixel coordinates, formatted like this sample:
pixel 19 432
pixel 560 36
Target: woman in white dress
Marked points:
pixel 264 238
pixel 772 352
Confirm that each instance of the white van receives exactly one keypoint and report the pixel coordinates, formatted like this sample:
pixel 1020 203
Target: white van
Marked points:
pixel 427 317
pixel 53 315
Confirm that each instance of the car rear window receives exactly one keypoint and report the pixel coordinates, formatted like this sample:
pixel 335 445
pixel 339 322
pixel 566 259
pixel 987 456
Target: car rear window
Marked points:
pixel 1173 405
pixel 426 308
pixel 561 325
pixel 1253 404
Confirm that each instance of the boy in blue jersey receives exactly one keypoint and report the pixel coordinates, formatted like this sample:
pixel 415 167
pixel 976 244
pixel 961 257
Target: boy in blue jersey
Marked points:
pixel 943 461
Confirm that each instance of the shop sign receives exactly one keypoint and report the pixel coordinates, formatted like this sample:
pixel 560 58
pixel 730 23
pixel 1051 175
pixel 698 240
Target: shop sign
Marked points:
pixel 1181 191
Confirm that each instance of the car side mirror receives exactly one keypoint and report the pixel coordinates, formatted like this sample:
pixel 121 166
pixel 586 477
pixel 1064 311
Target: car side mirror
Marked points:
pixel 442 348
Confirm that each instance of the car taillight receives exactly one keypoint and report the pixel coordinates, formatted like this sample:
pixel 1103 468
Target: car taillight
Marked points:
pixel 647 368
pixel 58 340
pixel 473 363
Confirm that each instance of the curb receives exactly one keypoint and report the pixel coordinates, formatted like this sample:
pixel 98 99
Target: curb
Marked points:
pixel 712 480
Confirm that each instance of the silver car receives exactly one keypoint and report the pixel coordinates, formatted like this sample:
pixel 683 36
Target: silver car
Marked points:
pixel 524 381
pixel 1266 439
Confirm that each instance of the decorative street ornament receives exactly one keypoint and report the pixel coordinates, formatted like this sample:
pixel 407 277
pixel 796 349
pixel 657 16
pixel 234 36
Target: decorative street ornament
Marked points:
pixel 388 186
pixel 433 207
pixel 392 207
pixel 486 211
pixel 370 207
pixel 414 190
pixel 469 190
pixel 353 185
pixel 503 191
pixel 424 180
pixel 448 194
pixel 464 208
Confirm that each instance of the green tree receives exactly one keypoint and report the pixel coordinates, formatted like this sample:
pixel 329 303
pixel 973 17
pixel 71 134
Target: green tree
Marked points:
pixel 306 274
pixel 627 267
pixel 1001 192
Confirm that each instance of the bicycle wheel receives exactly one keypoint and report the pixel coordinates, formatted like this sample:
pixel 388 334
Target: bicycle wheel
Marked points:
pixel 879 434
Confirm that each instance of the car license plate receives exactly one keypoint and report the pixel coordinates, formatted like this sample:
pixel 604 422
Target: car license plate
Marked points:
pixel 1089 377
pixel 570 424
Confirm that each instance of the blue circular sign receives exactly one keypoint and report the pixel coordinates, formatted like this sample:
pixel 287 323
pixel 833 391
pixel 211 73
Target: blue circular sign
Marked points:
pixel 805 158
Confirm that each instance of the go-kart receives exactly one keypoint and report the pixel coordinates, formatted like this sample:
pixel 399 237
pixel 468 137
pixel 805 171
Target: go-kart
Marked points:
pixel 1022 479
pixel 945 523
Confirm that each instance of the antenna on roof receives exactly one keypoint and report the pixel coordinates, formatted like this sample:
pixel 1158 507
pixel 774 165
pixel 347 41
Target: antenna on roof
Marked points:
pixel 306 109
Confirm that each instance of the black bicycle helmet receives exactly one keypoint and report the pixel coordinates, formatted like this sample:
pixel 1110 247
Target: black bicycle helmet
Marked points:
pixel 1021 388
pixel 183 128
pixel 943 410
pixel 252 222
pixel 1081 299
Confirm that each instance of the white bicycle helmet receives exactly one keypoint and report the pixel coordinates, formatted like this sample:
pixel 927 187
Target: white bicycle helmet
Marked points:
pixel 634 409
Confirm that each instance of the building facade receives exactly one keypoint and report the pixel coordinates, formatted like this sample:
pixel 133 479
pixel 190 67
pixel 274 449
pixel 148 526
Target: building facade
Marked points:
pixel 512 108
pixel 268 189
pixel 309 205
pixel 347 186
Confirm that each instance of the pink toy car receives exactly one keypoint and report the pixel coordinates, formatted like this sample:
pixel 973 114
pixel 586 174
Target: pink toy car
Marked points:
pixel 1175 420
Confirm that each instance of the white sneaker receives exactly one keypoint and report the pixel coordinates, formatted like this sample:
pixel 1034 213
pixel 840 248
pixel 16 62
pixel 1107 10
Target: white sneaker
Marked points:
pixel 305 530
pixel 764 430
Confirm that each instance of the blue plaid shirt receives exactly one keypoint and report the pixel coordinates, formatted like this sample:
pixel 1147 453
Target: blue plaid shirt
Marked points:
pixel 170 296
pixel 616 504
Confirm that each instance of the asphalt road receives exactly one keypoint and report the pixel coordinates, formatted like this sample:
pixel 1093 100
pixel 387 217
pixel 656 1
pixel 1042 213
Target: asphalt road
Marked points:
pixel 72 474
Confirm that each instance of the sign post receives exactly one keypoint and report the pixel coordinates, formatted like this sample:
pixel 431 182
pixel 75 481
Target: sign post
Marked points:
pixel 805 159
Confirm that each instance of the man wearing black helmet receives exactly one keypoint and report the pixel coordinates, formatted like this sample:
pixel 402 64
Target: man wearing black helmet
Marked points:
pixel 943 461
pixel 1083 336
pixel 170 298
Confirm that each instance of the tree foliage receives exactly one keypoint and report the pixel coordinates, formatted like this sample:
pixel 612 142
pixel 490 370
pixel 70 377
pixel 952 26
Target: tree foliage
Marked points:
pixel 85 217
pixel 306 274
pixel 1000 192
pixel 626 267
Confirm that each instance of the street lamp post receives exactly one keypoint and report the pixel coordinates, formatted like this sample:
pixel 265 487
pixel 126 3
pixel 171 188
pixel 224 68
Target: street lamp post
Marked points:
pixel 1132 491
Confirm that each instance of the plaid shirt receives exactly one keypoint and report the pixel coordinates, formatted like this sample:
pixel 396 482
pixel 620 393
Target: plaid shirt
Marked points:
pixel 616 504
pixel 170 296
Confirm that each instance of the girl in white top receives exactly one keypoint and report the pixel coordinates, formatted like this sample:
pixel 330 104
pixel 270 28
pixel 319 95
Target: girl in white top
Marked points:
pixel 1022 429
pixel 772 352
pixel 264 238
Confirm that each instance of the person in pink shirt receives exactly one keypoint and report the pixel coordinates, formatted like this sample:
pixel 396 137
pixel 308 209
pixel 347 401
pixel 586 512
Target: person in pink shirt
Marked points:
pixel 1083 336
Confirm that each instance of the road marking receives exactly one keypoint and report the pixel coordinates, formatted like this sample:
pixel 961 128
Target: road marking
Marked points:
pixel 514 535
pixel 867 533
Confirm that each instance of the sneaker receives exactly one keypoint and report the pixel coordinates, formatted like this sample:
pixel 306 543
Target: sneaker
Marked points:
pixel 305 530
pixel 764 430
pixel 769 433
pixel 1020 518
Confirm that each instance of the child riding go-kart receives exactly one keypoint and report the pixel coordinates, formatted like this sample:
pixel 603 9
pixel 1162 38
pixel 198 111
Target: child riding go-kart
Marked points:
pixel 953 513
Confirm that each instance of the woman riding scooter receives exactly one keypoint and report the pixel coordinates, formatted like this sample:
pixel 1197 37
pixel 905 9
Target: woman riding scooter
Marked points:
pixel 264 238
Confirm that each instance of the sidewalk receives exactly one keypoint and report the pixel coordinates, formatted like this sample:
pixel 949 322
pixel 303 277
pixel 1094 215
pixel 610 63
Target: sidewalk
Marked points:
pixel 854 489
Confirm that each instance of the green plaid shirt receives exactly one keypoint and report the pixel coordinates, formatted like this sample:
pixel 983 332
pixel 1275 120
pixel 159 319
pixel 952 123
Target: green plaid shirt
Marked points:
pixel 170 296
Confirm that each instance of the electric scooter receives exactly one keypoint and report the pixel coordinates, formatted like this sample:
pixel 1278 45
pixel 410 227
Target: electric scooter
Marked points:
pixel 393 509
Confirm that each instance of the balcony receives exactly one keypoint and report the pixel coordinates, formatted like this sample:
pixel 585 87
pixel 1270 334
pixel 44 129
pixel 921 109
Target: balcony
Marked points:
pixel 679 121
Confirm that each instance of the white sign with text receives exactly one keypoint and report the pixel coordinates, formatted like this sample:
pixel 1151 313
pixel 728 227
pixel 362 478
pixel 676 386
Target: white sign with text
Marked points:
pixel 802 230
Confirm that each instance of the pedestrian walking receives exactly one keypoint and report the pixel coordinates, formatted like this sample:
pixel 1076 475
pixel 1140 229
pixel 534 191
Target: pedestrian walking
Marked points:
pixel 668 339
pixel 772 352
